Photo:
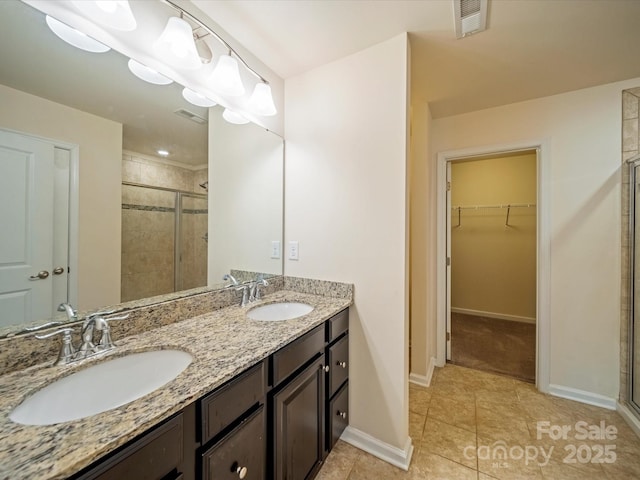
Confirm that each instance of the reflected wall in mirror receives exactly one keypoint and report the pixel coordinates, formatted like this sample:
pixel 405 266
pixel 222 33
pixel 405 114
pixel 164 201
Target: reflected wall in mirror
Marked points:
pixel 111 125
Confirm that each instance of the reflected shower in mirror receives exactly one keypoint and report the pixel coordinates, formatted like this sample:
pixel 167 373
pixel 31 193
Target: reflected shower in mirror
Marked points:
pixel 112 126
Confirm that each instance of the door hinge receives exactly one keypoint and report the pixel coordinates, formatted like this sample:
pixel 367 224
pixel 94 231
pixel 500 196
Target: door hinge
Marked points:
pixel 448 186
pixel 448 261
pixel 448 336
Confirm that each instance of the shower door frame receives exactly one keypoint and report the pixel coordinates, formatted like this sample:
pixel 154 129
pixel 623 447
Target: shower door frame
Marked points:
pixel 632 165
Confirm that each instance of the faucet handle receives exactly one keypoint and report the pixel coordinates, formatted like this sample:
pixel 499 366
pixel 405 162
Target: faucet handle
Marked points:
pixel 106 342
pixel 67 351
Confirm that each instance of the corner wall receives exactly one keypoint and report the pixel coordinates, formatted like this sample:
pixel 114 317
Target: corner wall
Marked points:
pixel 582 129
pixel 346 186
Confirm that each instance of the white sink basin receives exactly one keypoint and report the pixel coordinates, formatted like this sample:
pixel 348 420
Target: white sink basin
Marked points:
pixel 274 312
pixel 101 387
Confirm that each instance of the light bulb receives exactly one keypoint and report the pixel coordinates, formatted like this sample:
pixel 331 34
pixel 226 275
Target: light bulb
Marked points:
pixel 234 117
pixel 115 14
pixel 261 101
pixel 176 45
pixel 75 37
pixel 147 74
pixel 225 78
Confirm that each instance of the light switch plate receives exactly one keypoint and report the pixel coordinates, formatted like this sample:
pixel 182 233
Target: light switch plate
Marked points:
pixel 293 250
pixel 275 249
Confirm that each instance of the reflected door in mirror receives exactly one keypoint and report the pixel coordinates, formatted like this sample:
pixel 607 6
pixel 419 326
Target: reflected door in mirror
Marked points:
pixel 34 191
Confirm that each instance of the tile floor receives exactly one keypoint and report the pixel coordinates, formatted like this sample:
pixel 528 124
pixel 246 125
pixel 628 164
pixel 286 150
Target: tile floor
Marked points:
pixel 462 424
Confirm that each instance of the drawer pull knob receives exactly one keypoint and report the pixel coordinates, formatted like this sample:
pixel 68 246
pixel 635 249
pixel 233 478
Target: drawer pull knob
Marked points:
pixel 325 368
pixel 342 414
pixel 241 471
pixel 342 364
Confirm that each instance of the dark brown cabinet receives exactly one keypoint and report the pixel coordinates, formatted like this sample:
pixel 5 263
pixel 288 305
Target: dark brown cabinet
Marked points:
pixel 276 420
pixel 298 422
pixel 241 454
pixel 155 455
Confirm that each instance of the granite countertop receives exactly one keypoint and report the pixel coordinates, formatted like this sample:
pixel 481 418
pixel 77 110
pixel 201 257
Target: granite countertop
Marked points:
pixel 223 343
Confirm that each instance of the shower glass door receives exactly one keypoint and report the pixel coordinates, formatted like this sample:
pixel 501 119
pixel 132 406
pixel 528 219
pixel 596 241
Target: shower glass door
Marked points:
pixel 164 241
pixel 634 331
pixel 191 247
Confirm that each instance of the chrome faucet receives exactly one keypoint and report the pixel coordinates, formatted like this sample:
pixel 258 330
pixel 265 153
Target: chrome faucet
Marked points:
pixel 230 277
pixel 260 282
pixel 72 315
pixel 68 353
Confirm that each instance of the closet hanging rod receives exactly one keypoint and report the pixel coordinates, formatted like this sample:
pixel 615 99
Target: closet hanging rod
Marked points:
pixel 506 205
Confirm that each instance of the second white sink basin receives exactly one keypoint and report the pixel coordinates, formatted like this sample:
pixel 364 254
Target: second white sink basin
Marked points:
pixel 279 311
pixel 101 387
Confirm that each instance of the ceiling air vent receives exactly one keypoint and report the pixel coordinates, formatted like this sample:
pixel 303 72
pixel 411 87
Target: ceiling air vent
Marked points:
pixel 191 116
pixel 470 16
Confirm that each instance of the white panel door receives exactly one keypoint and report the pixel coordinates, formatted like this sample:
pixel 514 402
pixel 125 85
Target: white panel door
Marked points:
pixel 26 216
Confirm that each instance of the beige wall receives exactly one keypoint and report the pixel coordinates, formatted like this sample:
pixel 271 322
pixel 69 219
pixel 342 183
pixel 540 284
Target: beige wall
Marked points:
pixel 493 267
pixel 346 162
pixel 582 129
pixel 419 212
pixel 100 150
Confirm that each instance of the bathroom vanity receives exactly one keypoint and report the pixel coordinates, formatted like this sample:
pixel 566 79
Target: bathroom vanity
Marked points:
pixel 260 400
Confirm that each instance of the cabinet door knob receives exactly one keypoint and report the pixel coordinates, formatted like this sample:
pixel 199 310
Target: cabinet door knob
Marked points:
pixel 325 368
pixel 341 364
pixel 241 471
pixel 341 414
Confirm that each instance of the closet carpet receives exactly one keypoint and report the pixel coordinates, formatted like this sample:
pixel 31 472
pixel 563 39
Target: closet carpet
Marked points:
pixel 492 345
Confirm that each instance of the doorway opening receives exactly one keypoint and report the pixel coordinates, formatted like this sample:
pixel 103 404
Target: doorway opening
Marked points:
pixel 491 257
pixel 444 220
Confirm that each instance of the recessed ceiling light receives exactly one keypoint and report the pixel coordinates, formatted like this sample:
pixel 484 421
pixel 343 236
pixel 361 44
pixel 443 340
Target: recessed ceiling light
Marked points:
pixel 163 153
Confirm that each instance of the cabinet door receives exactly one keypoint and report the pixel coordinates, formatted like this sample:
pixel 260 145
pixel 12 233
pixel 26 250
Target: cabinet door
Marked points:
pixel 299 424
pixel 241 454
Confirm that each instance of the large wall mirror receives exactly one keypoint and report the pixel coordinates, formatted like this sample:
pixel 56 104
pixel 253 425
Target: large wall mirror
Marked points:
pixel 123 222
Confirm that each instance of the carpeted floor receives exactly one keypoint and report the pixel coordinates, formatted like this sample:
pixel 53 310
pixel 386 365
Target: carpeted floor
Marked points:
pixel 492 345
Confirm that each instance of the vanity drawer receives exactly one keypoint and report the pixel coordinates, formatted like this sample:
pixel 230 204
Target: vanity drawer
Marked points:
pixel 222 407
pixel 337 325
pixel 241 454
pixel 152 456
pixel 338 417
pixel 338 363
pixel 290 358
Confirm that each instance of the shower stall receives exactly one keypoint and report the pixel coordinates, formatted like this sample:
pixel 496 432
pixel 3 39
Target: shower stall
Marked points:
pixel 164 240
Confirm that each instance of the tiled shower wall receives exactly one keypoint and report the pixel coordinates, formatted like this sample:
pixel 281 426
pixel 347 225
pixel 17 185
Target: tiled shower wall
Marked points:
pixel 148 224
pixel 630 149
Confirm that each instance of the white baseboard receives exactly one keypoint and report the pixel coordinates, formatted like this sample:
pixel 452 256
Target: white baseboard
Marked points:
pixel 421 380
pixel 499 316
pixel 398 457
pixel 629 417
pixel 424 380
pixel 583 396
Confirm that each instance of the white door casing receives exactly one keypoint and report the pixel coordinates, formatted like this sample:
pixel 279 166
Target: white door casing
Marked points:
pixel 543 250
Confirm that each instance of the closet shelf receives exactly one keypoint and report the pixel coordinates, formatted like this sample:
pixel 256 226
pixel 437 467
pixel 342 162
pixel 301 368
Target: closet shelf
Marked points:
pixel 508 206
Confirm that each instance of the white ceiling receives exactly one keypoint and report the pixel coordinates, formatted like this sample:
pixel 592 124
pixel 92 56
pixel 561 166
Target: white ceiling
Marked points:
pixel 532 48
